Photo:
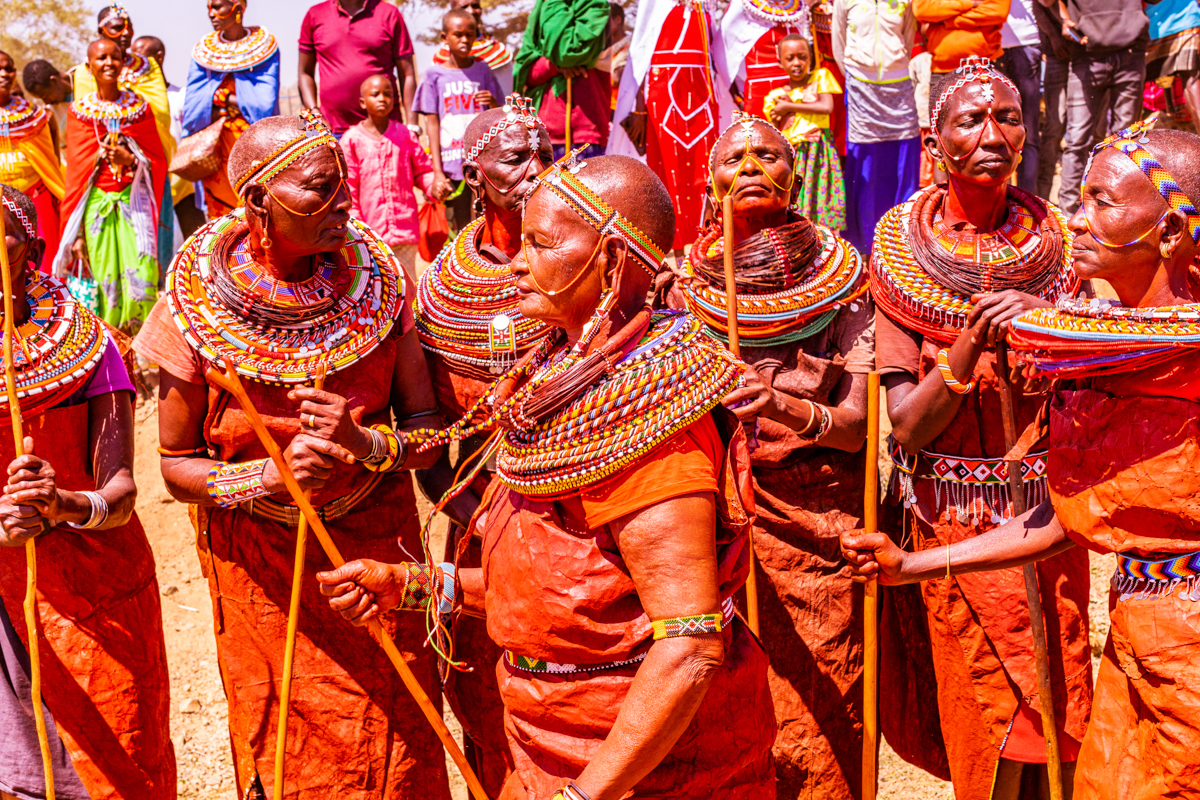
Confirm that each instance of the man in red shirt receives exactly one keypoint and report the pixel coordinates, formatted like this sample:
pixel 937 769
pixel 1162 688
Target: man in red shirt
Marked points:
pixel 351 40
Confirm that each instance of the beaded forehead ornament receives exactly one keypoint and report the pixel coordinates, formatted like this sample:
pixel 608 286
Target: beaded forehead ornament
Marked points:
pixel 26 225
pixel 974 69
pixel 747 123
pixel 316 134
pixel 517 110
pixel 562 179
pixel 112 11
pixel 1129 142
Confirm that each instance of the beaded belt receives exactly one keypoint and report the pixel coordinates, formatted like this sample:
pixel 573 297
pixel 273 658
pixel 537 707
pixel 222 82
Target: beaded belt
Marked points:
pixel 526 664
pixel 970 485
pixel 1149 578
pixel 268 509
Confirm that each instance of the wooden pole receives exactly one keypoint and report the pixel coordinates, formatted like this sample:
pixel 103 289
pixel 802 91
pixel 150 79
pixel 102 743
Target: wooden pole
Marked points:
pixel 570 105
pixel 870 782
pixel 18 432
pixel 289 648
pixel 735 347
pixel 230 382
pixel 1037 625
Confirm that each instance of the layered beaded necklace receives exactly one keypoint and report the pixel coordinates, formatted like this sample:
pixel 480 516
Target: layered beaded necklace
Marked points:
pixel 135 68
pixel 19 119
pixel 278 332
pixel 776 12
pixel 466 310
pixel 125 110
pixel 216 53
pixel 791 282
pixel 923 272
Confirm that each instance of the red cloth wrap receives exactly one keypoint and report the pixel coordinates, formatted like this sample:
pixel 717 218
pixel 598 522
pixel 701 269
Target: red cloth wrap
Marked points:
pixel 104 664
pixel 559 590
pixel 763 73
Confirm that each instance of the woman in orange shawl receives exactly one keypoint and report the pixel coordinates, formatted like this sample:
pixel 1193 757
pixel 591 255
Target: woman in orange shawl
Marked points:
pixel 608 569
pixel 1124 452
pixel 28 154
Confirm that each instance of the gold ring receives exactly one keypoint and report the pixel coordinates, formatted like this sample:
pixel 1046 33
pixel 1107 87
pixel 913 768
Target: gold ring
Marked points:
pixel 312 420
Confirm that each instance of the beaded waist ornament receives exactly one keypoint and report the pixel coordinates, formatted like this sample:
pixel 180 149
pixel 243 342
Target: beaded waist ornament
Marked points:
pixel 975 488
pixel 789 291
pixel 923 272
pixel 1148 578
pixel 214 53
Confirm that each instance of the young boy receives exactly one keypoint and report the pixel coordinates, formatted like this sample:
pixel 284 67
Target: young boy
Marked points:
pixel 384 161
pixel 449 97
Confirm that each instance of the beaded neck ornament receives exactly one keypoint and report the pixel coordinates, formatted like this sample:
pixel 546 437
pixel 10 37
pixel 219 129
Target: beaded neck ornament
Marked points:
pixel 127 109
pixel 215 53
pixel 56 350
pixel 562 179
pixel 791 282
pixel 316 134
pixel 776 12
pixel 924 272
pixel 277 332
pixel 136 67
pixel 19 118
pixel 974 69
pixel 467 310
pixel 486 49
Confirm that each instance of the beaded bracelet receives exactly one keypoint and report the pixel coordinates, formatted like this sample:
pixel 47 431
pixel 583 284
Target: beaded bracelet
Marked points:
pixel 419 587
pixel 952 383
pixel 394 450
pixel 687 626
pixel 824 423
pixel 99 512
pixel 231 484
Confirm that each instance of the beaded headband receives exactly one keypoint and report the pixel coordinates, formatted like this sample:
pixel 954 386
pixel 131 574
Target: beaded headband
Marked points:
pixel 561 178
pixel 973 69
pixel 114 10
pixel 1129 142
pixel 19 213
pixel 316 134
pixel 517 110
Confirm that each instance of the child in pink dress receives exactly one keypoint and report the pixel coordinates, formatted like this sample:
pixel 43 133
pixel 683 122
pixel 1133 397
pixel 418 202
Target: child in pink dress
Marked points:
pixel 385 162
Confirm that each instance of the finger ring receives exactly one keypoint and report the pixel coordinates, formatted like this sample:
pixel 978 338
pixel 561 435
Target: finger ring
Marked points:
pixel 312 420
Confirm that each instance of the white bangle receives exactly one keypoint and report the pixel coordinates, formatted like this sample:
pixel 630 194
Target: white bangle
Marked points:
pixel 99 512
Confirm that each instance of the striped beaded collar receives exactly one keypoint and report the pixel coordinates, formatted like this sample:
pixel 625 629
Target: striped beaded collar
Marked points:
pixel 20 118
pixel 214 53
pixel 129 107
pixel 776 12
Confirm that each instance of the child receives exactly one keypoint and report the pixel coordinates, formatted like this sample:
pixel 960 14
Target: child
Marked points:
pixel 384 161
pixel 801 110
pixel 449 97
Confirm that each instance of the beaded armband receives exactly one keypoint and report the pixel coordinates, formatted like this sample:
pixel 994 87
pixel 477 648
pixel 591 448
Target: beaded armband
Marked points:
pixel 687 626
pixel 952 383
pixel 389 450
pixel 232 484
pixel 419 587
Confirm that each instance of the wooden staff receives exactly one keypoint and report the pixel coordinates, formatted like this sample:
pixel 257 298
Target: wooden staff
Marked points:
pixel 289 648
pixel 1037 625
pixel 735 347
pixel 870 781
pixel 18 431
pixel 230 382
pixel 567 134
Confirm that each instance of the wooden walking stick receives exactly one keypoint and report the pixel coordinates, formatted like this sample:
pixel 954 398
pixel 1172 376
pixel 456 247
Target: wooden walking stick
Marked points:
pixel 870 752
pixel 230 382
pixel 735 347
pixel 18 431
pixel 567 133
pixel 1037 625
pixel 289 648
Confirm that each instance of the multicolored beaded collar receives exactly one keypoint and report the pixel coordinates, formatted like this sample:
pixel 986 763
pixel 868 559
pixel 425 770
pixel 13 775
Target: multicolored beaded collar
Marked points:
pixel 19 118
pixel 316 134
pixel 252 334
pixel 802 296
pixel 213 52
pixel 466 310
pixel 56 349
pixel 486 49
pixel 562 179
pixel 136 67
pixel 1030 252
pixel 128 108
pixel 776 12
pixel 1088 338
pixel 1129 142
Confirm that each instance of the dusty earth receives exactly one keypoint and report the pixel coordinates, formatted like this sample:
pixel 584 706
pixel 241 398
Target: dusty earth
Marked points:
pixel 198 712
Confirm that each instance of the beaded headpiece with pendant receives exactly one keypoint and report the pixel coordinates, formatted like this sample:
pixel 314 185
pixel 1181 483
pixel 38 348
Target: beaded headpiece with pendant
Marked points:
pixel 316 134
pixel 518 110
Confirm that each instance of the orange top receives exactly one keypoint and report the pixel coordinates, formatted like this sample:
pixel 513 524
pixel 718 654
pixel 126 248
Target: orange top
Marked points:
pixel 960 28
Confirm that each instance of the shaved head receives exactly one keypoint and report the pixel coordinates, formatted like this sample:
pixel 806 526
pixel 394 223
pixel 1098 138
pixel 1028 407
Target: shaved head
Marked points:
pixel 633 189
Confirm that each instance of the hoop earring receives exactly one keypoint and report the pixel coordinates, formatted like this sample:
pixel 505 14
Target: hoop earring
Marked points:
pixel 266 242
pixel 1164 250
pixel 941 165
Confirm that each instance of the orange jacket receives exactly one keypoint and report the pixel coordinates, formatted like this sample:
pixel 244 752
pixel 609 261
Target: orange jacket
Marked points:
pixel 959 28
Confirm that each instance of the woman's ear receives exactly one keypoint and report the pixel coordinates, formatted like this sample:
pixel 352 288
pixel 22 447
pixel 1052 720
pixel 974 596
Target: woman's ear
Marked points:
pixel 472 176
pixel 1174 228
pixel 37 251
pixel 256 204
pixel 930 142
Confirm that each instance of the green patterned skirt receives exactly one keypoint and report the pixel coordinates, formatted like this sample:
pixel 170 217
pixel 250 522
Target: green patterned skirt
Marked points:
pixel 822 196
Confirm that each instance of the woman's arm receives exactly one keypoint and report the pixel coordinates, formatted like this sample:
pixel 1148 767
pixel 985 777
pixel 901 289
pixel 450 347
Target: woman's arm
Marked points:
pixel 413 400
pixel 847 409
pixel 676 576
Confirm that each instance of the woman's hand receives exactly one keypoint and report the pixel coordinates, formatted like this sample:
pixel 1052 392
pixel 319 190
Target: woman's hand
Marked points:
pixel 991 313
pixel 118 155
pixel 755 399
pixel 311 460
pixel 362 590
pixel 327 416
pixel 33 482
pixel 873 555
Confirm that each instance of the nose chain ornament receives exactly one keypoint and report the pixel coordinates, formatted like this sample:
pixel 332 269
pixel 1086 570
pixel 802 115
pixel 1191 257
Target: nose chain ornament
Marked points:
pixel 747 123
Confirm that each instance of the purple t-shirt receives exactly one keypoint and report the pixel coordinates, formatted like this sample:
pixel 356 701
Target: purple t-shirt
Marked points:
pixel 351 49
pixel 450 93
